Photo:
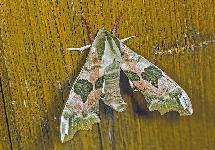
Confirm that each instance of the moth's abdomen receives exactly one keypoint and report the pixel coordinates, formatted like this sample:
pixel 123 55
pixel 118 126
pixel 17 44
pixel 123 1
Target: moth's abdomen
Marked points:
pixel 111 66
pixel 111 88
pixel 113 97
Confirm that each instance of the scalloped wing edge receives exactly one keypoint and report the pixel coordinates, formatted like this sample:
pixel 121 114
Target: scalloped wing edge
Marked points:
pixel 71 123
pixel 178 103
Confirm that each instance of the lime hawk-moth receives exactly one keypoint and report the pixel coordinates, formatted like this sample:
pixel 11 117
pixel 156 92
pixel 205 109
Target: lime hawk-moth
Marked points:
pixel 100 77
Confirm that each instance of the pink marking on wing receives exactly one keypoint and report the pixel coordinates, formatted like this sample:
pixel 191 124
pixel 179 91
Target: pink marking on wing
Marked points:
pixel 75 103
pixel 78 107
pixel 140 85
pixel 130 64
pixel 133 67
pixel 94 75
pixel 147 88
pixel 92 98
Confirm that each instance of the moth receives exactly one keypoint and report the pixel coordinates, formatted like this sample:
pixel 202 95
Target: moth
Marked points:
pixel 100 77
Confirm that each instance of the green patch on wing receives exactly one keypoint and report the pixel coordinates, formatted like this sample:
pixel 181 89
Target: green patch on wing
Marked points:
pixel 83 88
pixel 116 41
pixel 109 39
pixel 111 76
pixel 100 44
pixel 99 82
pixel 111 44
pixel 152 74
pixel 80 122
pixel 132 76
pixel 167 102
pixel 112 71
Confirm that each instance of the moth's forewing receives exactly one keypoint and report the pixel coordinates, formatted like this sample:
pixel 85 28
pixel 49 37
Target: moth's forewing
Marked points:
pixel 160 91
pixel 81 108
pixel 99 76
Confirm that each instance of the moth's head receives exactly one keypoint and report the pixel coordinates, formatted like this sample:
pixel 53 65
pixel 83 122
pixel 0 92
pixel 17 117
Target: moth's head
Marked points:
pixel 103 32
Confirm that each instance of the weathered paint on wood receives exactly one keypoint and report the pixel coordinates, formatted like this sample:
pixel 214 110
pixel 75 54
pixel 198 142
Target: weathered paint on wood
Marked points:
pixel 36 76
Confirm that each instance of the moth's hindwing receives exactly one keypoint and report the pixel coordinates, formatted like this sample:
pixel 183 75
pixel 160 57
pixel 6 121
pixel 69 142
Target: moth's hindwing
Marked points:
pixel 160 91
pixel 82 105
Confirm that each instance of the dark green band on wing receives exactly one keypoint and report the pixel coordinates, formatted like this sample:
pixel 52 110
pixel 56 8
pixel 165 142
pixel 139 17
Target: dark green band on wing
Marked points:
pixel 100 45
pixel 83 88
pixel 109 39
pixel 99 82
pixel 111 44
pixel 176 94
pixel 152 74
pixel 132 76
pixel 167 102
pixel 112 71
pixel 78 122
pixel 111 76
pixel 116 41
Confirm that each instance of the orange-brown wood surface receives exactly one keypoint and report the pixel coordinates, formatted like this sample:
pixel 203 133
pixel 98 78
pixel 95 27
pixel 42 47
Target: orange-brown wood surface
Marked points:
pixel 36 75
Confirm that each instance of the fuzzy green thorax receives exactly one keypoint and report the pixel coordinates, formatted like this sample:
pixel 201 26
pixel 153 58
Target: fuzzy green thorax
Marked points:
pixel 99 42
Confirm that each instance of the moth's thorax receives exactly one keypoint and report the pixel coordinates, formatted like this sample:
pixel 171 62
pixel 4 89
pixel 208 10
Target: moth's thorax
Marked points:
pixel 105 40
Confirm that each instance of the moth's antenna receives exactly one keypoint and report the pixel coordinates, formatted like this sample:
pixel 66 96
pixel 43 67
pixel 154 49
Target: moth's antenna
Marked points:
pixel 102 15
pixel 89 31
pixel 115 27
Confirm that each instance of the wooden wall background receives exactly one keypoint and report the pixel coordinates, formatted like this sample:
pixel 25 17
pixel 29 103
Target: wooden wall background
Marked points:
pixel 36 76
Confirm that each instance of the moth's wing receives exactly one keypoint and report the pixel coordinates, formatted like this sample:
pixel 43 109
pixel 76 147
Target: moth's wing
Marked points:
pixel 81 108
pixel 160 91
pixel 111 65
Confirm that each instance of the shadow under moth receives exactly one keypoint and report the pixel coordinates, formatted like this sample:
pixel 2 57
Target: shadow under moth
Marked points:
pixel 100 77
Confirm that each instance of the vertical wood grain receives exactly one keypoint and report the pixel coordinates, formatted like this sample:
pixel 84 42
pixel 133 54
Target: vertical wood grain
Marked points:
pixel 36 75
pixel 5 141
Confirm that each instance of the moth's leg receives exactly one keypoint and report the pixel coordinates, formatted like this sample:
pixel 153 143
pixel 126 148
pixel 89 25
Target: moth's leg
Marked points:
pixel 115 27
pixel 79 49
pixel 89 31
pixel 127 38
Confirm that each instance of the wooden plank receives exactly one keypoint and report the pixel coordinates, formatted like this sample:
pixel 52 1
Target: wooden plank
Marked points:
pixel 37 75
pixel 5 140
